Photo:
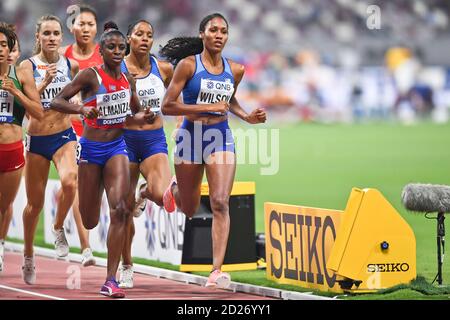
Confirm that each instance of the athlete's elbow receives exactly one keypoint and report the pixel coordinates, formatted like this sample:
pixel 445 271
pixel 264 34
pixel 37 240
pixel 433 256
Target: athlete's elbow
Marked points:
pixel 56 103
pixel 38 112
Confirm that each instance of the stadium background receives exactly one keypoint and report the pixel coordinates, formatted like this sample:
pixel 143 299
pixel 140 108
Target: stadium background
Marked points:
pixel 356 107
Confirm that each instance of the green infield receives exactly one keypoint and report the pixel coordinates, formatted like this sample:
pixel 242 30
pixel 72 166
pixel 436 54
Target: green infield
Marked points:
pixel 319 165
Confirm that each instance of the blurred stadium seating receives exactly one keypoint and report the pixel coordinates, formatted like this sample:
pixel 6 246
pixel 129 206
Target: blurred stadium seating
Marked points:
pixel 305 59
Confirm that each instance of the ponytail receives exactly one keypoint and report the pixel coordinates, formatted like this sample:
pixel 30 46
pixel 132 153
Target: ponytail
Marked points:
pixel 110 28
pixel 179 48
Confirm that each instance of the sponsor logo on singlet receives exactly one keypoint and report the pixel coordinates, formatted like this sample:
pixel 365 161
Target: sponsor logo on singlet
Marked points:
pixel 113 107
pixel 212 91
pixel 6 107
pixel 57 84
pixel 150 92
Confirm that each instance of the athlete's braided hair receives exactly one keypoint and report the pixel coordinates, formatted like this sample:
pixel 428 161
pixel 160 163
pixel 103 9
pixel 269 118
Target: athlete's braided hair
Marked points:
pixel 130 31
pixel 8 31
pixel 179 48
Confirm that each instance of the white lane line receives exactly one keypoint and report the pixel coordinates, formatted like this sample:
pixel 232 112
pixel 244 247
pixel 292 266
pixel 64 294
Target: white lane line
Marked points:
pixel 31 293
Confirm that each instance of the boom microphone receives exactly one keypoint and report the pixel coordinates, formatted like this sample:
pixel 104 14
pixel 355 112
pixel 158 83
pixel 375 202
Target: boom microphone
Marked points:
pixel 426 198
pixel 430 198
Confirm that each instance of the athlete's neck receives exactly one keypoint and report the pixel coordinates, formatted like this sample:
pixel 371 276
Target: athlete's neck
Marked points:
pixel 49 57
pixel 214 59
pixel 4 67
pixel 140 61
pixel 83 49
pixel 113 72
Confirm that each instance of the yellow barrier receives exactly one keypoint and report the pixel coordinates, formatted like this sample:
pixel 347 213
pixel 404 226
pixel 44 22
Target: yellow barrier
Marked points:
pixel 367 247
pixel 375 247
pixel 298 243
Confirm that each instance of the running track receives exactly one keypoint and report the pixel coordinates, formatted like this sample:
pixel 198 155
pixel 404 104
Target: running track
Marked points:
pixel 55 277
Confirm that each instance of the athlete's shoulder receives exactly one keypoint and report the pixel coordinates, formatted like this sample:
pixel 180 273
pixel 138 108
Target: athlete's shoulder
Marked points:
pixel 24 71
pixel 165 67
pixel 237 69
pixel 87 75
pixel 187 65
pixel 25 64
pixel 74 65
pixel 189 60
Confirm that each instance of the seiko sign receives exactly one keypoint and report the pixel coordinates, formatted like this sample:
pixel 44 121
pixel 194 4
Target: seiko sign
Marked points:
pixel 388 267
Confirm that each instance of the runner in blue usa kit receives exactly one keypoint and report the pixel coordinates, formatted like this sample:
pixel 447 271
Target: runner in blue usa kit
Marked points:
pixel 109 97
pixel 204 142
pixel 47 140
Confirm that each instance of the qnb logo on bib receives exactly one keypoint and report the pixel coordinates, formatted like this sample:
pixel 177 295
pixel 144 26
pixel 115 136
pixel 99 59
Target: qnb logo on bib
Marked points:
pixel 6 107
pixel 113 107
pixel 212 91
pixel 150 91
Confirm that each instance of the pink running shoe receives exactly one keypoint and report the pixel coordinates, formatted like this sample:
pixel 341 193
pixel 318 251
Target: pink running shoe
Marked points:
pixel 168 198
pixel 111 289
pixel 218 279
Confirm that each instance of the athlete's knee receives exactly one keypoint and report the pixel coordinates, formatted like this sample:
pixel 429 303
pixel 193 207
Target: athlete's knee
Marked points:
pixel 89 224
pixel 219 204
pixel 69 183
pixel 3 209
pixel 158 199
pixel 189 211
pixel 120 213
pixel 34 207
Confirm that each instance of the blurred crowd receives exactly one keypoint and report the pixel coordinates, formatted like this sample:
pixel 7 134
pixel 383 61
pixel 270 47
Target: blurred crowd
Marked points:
pixel 306 60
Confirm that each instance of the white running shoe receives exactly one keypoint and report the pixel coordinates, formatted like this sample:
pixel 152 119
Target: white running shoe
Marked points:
pixel 141 203
pixel 29 270
pixel 2 252
pixel 61 245
pixel 88 258
pixel 126 276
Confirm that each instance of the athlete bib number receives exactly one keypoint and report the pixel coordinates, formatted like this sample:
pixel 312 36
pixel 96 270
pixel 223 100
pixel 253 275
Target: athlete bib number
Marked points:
pixel 113 107
pixel 6 107
pixel 27 142
pixel 212 91
pixel 78 152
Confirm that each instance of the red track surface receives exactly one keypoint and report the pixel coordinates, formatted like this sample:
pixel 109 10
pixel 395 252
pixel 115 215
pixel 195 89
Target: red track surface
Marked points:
pixel 53 277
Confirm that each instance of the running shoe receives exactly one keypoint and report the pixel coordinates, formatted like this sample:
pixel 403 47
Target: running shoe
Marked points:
pixel 87 258
pixel 126 277
pixel 218 279
pixel 61 245
pixel 111 289
pixel 29 270
pixel 168 198
pixel 141 203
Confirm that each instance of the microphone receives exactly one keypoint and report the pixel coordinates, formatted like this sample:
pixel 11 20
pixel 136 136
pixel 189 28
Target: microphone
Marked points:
pixel 430 198
pixel 426 198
